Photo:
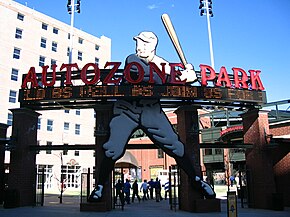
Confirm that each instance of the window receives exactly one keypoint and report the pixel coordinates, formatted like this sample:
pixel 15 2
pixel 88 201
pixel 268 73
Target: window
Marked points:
pixel 16 53
pixel 48 144
pixel 81 40
pixel 207 151
pixel 68 36
pixel 80 55
pixel 77 153
pixel 160 153
pixel 54 46
pixel 49 125
pixel 14 74
pixel 66 126
pixel 65 151
pixel 52 62
pixel 20 16
pixel 78 112
pixel 43 43
pixel 48 176
pixel 38 123
pixel 97 47
pixel 41 61
pixel 218 151
pixel 97 60
pixel 18 33
pixel 44 26
pixel 66 111
pixel 38 144
pixel 9 119
pixel 71 173
pixel 12 96
pixel 68 51
pixel 55 30
pixel 77 129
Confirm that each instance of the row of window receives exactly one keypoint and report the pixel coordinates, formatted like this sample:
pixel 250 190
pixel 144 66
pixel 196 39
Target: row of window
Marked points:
pixel 13 97
pixel 18 33
pixel 53 44
pixel 44 25
pixel 65 152
pixel 43 44
pixel 160 153
pixel 49 126
pixel 78 111
pixel 16 55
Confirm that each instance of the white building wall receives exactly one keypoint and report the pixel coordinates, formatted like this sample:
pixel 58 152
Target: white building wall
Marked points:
pixel 31 50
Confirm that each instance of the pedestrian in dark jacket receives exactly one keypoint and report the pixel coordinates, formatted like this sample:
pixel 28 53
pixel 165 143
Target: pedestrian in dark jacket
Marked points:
pixel 127 187
pixel 135 191
pixel 151 188
pixel 119 192
pixel 157 190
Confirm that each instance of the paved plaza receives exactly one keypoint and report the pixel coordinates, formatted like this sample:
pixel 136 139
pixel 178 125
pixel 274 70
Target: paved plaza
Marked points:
pixel 70 208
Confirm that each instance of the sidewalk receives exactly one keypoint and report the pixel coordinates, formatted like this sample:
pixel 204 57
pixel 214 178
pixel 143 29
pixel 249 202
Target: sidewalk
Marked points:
pixel 148 208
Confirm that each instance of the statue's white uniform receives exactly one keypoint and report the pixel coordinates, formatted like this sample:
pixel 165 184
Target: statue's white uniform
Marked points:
pixel 144 114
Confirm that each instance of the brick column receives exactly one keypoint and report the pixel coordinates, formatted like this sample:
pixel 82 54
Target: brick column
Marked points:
pixel 22 169
pixel 261 183
pixel 187 125
pixel 3 132
pixel 103 118
pixel 191 199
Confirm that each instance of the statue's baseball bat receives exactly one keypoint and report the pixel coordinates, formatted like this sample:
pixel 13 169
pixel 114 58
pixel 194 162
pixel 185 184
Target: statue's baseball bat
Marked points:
pixel 172 34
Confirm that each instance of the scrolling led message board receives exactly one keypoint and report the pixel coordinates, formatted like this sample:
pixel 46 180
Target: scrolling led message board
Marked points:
pixel 83 88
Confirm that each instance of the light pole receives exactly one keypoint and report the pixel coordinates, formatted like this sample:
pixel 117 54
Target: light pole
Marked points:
pixel 71 8
pixel 206 9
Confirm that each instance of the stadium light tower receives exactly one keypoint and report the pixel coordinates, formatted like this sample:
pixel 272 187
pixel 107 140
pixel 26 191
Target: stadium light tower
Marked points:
pixel 206 9
pixel 71 9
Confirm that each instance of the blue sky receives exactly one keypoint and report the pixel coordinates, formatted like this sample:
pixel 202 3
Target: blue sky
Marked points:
pixel 250 34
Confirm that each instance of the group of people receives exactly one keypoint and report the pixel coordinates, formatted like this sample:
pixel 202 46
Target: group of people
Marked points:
pixel 148 190
pixel 123 191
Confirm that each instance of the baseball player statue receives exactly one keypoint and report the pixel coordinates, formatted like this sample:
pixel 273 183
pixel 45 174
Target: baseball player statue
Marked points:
pixel 146 114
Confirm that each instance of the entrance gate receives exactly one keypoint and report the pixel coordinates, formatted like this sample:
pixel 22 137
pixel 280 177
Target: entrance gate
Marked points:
pixel 60 94
pixel 174 181
pixel 118 200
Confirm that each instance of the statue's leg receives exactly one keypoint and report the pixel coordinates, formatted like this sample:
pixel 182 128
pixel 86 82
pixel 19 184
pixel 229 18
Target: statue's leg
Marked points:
pixel 159 129
pixel 121 128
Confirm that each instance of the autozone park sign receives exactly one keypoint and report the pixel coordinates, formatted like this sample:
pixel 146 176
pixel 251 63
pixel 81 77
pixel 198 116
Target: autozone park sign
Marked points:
pixel 90 84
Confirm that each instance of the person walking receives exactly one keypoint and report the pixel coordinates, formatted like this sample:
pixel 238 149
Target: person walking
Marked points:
pixel 144 186
pixel 157 190
pixel 167 187
pixel 119 192
pixel 151 188
pixel 127 187
pixel 135 191
pixel 232 180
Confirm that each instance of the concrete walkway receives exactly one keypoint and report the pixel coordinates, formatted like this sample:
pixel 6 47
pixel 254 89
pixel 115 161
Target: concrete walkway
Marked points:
pixel 148 208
